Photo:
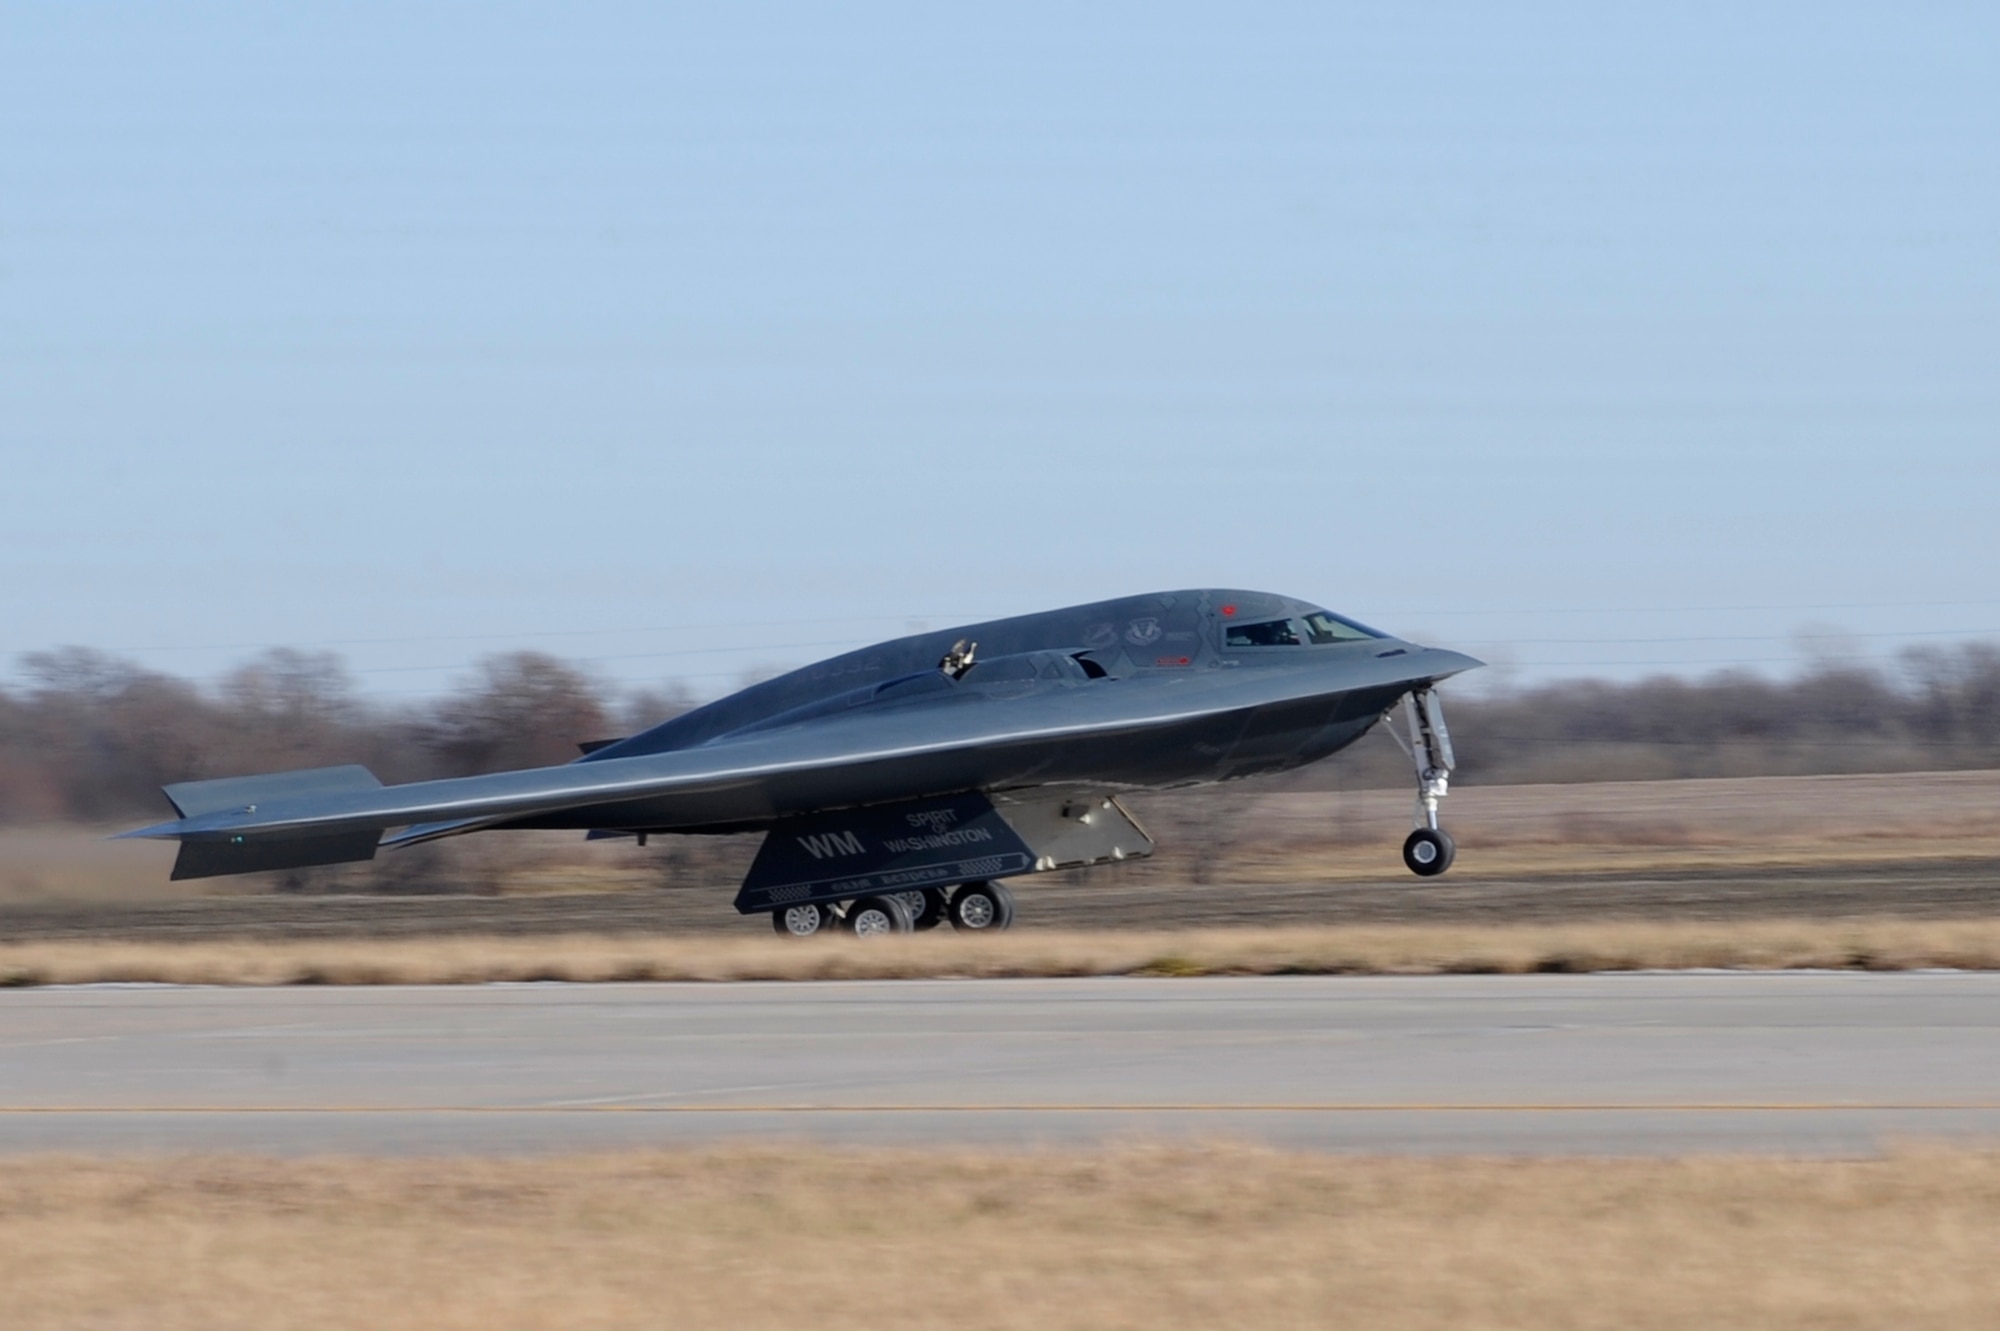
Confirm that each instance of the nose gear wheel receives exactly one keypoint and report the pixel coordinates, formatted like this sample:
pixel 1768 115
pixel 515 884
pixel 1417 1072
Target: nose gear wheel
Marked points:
pixel 1428 852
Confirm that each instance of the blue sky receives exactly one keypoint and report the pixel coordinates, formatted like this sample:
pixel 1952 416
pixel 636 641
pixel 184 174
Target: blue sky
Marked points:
pixel 1597 339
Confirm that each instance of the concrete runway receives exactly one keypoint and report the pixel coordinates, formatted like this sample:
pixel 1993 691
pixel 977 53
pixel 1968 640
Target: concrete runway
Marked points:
pixel 1624 1064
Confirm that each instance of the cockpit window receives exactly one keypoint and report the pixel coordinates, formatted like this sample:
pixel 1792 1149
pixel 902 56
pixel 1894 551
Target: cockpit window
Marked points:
pixel 1323 628
pixel 1268 633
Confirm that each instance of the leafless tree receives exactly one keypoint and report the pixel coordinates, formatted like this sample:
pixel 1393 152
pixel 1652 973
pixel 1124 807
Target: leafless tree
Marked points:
pixel 521 709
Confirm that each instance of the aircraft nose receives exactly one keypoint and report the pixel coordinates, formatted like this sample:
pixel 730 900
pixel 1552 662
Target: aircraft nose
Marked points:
pixel 1442 663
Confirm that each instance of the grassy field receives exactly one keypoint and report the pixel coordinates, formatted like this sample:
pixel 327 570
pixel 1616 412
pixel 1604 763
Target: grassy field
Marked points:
pixel 1135 1237
pixel 1884 943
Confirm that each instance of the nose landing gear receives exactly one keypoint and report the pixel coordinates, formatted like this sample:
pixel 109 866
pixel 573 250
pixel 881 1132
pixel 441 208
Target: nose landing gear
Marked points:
pixel 1429 850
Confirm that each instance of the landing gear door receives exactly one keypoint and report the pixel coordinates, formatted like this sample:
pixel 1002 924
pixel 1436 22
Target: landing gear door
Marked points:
pixel 1069 830
pixel 938 842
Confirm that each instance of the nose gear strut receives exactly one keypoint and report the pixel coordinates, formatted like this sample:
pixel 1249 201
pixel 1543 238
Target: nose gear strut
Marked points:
pixel 1429 850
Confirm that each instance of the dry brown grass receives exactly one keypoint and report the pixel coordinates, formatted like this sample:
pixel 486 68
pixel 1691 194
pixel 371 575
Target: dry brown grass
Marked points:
pixel 1133 1237
pixel 1873 943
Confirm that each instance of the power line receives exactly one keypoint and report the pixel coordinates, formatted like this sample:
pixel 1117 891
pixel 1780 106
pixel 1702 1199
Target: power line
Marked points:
pixel 1417 612
pixel 1743 742
pixel 1748 637
pixel 1715 663
pixel 635 656
pixel 751 648
pixel 510 636
pixel 956 619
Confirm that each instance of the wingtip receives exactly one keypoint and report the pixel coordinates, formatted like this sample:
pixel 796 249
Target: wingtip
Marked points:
pixel 157 832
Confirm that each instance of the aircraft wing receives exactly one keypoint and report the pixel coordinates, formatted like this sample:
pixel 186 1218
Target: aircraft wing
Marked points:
pixel 337 814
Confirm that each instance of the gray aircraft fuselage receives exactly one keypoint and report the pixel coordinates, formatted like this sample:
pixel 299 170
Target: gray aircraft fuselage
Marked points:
pixel 1164 697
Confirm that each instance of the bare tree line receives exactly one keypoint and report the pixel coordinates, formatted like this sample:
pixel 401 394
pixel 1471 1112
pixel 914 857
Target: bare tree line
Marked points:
pixel 1936 708
pixel 89 736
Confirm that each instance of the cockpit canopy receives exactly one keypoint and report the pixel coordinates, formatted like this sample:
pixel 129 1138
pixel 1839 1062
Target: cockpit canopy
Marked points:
pixel 1317 628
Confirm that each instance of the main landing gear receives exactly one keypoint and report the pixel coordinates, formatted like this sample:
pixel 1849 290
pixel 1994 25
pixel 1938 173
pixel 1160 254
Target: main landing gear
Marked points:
pixel 1429 850
pixel 978 907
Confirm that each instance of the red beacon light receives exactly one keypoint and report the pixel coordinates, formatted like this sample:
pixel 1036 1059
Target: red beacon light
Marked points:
pixel 1228 609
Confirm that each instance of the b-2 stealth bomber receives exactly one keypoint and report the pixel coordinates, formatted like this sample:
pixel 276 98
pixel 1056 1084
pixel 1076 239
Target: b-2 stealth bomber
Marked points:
pixel 901 785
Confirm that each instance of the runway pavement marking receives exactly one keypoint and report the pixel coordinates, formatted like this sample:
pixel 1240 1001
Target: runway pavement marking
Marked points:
pixel 1716 1107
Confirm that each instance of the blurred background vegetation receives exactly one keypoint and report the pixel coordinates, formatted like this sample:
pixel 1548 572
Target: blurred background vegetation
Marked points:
pixel 87 739
pixel 92 737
